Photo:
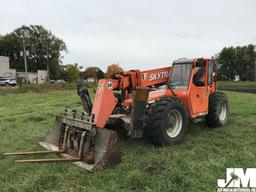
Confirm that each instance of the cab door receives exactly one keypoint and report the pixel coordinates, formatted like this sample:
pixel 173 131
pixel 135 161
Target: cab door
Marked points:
pixel 199 100
pixel 199 91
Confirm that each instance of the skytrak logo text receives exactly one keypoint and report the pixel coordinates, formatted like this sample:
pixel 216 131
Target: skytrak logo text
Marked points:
pixel 157 76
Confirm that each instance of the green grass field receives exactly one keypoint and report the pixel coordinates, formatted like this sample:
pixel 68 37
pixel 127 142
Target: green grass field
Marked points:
pixel 195 165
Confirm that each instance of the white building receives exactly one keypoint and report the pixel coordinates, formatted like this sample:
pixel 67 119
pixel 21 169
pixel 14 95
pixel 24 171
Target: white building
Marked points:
pixel 38 77
pixel 5 70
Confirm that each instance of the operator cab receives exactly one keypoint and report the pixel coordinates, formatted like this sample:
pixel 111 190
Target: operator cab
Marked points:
pixel 192 81
pixel 183 69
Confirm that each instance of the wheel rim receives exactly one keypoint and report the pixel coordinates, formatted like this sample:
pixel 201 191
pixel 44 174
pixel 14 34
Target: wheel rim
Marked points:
pixel 174 123
pixel 223 112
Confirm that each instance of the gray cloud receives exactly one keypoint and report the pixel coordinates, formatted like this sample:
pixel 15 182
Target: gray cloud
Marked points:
pixel 137 34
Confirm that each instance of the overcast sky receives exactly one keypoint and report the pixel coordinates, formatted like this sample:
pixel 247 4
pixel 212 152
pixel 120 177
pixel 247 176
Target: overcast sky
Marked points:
pixel 138 34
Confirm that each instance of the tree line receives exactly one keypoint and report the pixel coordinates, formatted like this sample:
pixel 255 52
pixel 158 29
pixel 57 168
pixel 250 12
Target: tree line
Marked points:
pixel 44 48
pixel 41 45
pixel 240 60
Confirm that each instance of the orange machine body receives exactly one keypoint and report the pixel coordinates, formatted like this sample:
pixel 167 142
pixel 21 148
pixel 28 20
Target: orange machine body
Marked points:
pixel 195 98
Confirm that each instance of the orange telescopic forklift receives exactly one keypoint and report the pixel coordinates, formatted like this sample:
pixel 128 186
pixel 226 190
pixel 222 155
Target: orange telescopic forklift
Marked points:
pixel 156 104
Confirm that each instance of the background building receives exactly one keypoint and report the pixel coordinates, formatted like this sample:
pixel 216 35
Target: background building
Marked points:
pixel 33 77
pixel 5 70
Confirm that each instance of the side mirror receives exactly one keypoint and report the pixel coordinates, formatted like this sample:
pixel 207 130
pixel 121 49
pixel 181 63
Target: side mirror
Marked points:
pixel 200 62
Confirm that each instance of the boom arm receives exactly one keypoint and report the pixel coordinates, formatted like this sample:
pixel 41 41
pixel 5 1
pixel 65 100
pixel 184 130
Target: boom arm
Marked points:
pixel 136 78
pixel 105 101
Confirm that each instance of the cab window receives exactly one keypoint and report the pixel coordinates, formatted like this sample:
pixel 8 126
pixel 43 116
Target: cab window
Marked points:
pixel 180 76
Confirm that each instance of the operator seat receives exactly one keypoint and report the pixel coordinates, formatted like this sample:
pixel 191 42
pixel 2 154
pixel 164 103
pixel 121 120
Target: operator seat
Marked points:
pixel 198 77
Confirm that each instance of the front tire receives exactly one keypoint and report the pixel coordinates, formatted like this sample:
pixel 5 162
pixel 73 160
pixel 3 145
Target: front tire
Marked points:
pixel 166 122
pixel 218 111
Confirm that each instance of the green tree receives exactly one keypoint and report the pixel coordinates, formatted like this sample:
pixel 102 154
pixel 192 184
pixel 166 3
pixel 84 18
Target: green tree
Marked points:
pixel 94 72
pixel 43 46
pixel 250 60
pixel 227 60
pixel 70 72
pixel 100 74
pixel 237 61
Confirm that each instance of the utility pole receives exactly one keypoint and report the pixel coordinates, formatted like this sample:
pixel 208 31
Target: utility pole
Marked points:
pixel 25 59
pixel 48 79
pixel 25 55
pixel 47 56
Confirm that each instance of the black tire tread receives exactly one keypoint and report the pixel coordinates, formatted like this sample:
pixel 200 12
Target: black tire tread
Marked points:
pixel 212 118
pixel 154 118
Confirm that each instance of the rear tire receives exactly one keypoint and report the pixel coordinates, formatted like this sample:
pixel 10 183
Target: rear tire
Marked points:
pixel 218 111
pixel 166 122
